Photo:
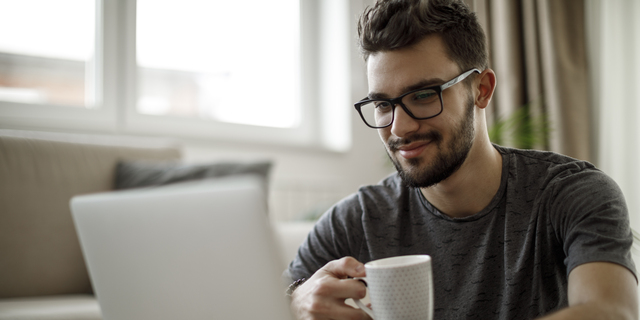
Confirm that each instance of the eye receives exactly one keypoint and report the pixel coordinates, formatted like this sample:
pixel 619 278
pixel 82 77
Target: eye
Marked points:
pixel 424 96
pixel 382 106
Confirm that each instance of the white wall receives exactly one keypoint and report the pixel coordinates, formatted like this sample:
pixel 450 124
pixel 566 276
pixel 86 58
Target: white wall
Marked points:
pixel 614 49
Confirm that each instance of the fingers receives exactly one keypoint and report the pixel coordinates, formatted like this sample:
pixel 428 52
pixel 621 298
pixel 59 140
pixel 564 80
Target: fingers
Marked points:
pixel 345 267
pixel 323 295
pixel 336 311
pixel 310 304
pixel 338 285
pixel 341 289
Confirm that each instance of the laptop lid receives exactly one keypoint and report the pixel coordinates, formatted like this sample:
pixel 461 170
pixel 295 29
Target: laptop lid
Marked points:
pixel 196 250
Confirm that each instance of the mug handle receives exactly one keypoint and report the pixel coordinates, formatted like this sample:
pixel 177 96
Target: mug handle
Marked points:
pixel 359 303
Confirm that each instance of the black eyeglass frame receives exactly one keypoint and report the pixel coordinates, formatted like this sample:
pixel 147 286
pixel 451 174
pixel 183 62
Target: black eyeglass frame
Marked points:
pixel 398 101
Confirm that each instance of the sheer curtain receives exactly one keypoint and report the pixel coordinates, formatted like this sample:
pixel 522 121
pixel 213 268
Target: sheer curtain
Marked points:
pixel 577 62
pixel 614 47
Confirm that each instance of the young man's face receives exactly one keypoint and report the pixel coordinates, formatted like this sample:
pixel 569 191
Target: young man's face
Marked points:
pixel 425 152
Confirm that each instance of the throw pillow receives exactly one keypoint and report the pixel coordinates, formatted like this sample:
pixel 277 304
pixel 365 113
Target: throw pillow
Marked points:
pixel 136 174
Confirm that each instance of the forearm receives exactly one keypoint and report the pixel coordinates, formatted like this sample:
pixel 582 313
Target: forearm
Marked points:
pixel 595 311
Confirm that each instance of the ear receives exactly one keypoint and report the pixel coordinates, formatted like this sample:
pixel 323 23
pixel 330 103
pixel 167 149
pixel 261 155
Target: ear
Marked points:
pixel 485 85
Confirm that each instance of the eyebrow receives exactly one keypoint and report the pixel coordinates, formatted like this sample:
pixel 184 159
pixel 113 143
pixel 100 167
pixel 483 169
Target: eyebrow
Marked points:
pixel 419 85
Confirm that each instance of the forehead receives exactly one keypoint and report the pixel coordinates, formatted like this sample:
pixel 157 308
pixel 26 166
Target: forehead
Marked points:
pixel 391 72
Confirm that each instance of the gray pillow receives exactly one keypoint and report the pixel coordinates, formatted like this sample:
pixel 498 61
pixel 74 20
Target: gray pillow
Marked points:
pixel 136 174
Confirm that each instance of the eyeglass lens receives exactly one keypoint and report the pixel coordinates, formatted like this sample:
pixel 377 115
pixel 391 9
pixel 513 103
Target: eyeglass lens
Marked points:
pixel 422 104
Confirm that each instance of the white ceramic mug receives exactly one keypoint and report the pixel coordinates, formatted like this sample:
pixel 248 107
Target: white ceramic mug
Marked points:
pixel 400 288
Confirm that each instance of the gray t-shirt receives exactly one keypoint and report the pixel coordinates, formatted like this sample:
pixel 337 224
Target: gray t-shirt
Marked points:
pixel 509 261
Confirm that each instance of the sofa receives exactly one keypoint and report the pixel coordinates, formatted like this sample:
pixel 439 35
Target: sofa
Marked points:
pixel 42 271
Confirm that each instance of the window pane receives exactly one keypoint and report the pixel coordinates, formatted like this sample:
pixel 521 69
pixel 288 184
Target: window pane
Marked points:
pixel 47 51
pixel 232 61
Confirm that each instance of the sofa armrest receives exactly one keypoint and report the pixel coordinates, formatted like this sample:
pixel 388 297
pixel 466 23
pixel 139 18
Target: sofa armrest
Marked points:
pixel 290 235
pixel 62 307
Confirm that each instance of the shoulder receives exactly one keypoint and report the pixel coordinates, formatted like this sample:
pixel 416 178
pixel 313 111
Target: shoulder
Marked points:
pixel 384 193
pixel 385 196
pixel 389 187
pixel 559 183
pixel 545 169
pixel 565 188
pixel 542 159
pixel 584 206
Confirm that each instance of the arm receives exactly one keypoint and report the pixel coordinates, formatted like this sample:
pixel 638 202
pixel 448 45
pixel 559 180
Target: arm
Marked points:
pixel 323 295
pixel 602 291
pixel 593 225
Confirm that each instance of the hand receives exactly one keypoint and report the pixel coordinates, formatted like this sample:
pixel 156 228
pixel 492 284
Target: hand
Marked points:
pixel 323 295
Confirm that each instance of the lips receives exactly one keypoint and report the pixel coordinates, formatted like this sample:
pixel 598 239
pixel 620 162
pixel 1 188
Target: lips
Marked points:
pixel 413 146
pixel 413 150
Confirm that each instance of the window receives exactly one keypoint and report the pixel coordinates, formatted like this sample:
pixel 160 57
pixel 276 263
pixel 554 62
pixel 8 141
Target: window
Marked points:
pixel 232 70
pixel 47 54
pixel 186 68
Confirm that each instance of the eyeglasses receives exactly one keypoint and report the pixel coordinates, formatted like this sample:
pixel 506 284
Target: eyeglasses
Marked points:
pixel 420 104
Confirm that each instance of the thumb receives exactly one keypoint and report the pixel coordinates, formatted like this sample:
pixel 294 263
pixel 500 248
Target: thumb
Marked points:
pixel 345 268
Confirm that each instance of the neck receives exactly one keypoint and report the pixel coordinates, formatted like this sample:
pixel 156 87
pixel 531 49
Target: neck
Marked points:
pixel 472 187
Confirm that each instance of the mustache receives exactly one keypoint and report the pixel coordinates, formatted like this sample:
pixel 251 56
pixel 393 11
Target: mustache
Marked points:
pixel 395 144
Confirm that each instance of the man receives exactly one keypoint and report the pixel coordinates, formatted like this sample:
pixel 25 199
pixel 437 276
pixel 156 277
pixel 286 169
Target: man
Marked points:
pixel 513 234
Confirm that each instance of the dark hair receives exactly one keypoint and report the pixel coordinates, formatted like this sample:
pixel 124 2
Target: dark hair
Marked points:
pixel 395 24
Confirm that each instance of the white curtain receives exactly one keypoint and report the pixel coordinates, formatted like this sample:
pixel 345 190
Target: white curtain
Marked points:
pixel 614 34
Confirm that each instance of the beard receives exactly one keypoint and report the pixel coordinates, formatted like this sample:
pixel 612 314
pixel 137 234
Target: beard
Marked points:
pixel 448 160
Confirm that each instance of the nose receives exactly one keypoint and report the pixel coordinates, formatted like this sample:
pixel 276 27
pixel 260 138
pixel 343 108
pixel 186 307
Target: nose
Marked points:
pixel 403 124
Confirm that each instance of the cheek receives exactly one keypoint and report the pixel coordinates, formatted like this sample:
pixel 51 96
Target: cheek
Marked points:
pixel 453 115
pixel 455 100
pixel 384 134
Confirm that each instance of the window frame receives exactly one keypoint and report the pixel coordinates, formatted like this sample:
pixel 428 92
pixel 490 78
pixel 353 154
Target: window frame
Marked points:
pixel 116 89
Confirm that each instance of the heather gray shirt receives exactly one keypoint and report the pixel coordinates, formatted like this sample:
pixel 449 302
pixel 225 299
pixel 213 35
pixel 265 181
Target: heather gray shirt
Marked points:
pixel 508 261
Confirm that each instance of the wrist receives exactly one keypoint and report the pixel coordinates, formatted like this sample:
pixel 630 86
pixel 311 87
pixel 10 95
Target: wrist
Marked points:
pixel 292 287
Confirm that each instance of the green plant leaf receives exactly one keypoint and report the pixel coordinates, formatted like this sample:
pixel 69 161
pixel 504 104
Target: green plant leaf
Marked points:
pixel 521 129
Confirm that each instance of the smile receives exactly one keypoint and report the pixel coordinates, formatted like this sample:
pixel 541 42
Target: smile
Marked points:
pixel 413 150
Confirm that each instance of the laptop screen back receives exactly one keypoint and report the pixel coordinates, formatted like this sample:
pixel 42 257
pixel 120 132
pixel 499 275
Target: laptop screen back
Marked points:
pixel 198 250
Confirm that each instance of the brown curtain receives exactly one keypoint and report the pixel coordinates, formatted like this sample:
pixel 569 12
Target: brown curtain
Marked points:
pixel 538 51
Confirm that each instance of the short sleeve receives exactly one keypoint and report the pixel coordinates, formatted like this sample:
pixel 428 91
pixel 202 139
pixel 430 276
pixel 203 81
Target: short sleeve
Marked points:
pixel 591 218
pixel 334 236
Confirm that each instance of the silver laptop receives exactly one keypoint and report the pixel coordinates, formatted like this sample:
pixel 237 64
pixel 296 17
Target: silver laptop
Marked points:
pixel 198 250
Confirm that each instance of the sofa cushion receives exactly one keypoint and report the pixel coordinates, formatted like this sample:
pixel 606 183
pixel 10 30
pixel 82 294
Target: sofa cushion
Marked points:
pixel 39 249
